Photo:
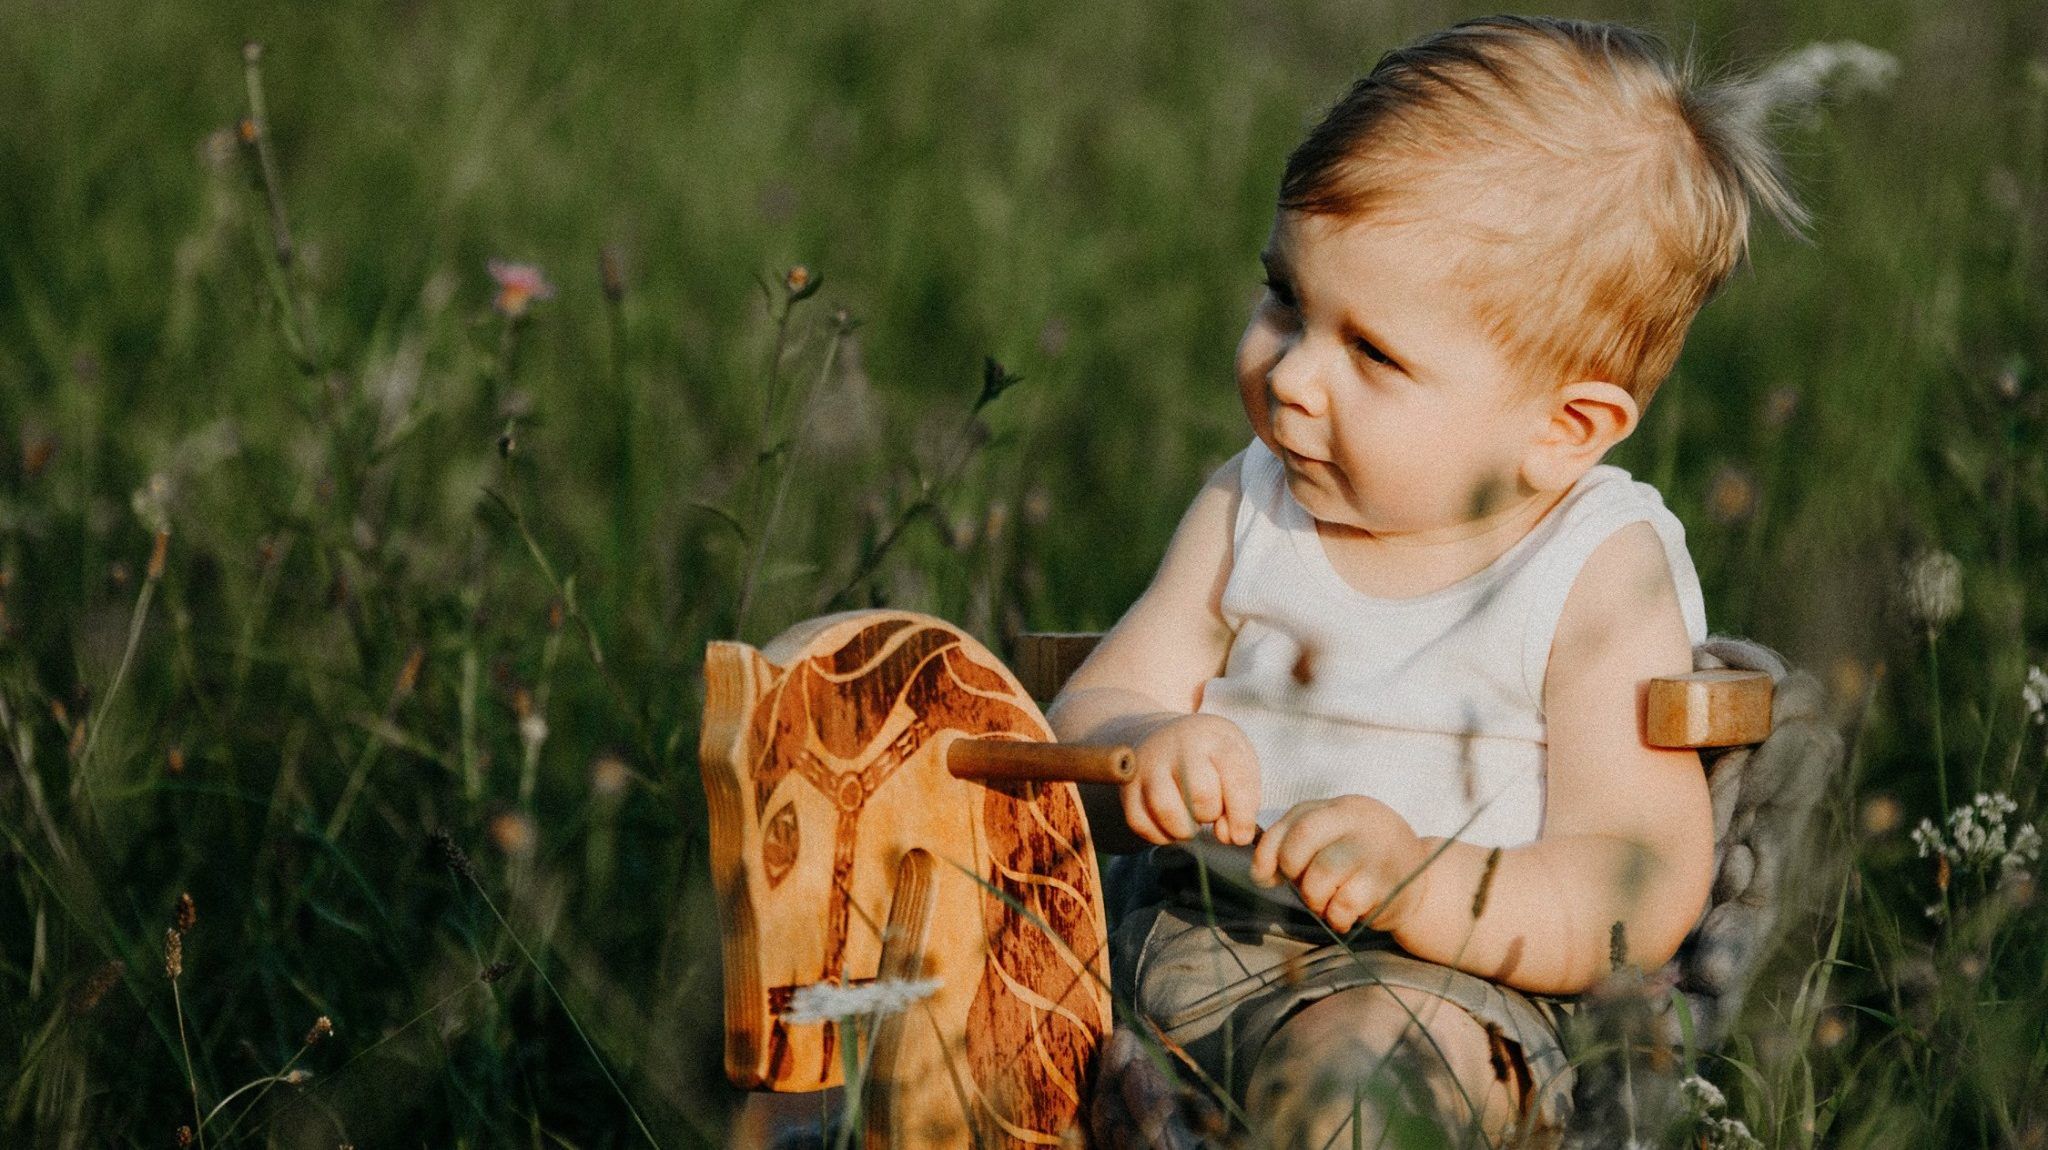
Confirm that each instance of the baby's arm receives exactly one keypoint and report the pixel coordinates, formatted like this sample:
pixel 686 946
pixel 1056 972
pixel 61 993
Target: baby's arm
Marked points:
pixel 1627 828
pixel 1142 684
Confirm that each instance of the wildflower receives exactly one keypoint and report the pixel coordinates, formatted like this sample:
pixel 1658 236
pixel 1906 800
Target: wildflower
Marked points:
pixel 533 730
pixel 610 776
pixel 1701 1096
pixel 322 1027
pixel 519 286
pixel 2035 695
pixel 1728 1134
pixel 1934 588
pixel 1977 839
pixel 152 502
pixel 1780 406
pixel 1882 815
pixel 36 452
pixel 1731 498
pixel 800 283
pixel 513 833
pixel 823 1001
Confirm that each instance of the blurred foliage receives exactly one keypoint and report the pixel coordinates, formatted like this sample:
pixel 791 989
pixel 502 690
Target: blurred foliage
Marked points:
pixel 431 566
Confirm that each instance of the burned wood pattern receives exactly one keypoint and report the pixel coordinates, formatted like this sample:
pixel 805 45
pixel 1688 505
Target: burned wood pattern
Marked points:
pixel 824 760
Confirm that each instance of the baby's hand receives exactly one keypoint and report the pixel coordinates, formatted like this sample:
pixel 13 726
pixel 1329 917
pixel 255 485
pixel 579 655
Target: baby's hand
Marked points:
pixel 1194 769
pixel 1346 857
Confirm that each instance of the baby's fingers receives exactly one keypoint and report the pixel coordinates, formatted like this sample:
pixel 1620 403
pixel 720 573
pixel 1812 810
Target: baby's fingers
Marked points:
pixel 1266 852
pixel 1167 806
pixel 1238 779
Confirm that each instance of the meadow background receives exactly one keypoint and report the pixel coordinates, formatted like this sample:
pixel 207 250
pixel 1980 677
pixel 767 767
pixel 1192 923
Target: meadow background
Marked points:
pixel 306 556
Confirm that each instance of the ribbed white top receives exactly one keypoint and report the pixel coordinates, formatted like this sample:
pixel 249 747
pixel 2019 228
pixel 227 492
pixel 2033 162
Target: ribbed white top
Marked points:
pixel 1431 704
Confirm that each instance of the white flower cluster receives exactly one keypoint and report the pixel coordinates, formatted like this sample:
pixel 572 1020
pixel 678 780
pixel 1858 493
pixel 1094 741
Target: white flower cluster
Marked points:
pixel 1716 1130
pixel 822 1001
pixel 1977 839
pixel 2035 695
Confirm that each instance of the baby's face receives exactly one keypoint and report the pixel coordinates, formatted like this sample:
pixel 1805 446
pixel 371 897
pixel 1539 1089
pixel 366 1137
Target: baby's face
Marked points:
pixel 1366 372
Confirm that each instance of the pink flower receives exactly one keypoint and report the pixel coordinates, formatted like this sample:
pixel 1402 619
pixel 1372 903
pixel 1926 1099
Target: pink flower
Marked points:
pixel 518 286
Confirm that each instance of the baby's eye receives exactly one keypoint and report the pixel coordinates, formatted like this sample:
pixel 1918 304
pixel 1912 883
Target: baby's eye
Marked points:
pixel 1371 351
pixel 1281 293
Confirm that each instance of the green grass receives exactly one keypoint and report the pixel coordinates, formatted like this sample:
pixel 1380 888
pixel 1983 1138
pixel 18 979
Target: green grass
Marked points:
pixel 1076 190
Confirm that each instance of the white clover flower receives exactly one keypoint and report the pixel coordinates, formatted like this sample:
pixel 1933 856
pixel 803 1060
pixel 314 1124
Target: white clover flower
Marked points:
pixel 823 1001
pixel 1700 1096
pixel 2035 695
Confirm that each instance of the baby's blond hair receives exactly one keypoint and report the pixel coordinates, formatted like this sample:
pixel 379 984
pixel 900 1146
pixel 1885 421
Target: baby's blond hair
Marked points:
pixel 1608 188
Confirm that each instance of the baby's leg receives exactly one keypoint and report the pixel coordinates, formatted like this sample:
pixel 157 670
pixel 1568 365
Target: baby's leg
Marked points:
pixel 1381 1066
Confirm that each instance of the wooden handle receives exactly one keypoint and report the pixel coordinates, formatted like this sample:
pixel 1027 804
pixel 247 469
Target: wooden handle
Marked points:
pixel 1011 761
pixel 1709 709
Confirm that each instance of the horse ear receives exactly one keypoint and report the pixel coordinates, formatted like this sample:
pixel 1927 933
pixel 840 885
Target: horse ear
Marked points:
pixel 735 677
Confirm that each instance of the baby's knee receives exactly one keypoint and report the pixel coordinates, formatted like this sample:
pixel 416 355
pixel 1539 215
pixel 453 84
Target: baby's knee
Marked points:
pixel 1398 1068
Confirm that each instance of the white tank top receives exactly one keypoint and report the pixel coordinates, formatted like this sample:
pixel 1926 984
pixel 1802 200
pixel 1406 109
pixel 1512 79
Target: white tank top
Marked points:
pixel 1431 704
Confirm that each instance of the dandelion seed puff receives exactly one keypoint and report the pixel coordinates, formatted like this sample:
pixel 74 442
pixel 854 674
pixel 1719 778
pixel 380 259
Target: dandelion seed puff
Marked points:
pixel 1799 80
pixel 823 1001
pixel 1934 588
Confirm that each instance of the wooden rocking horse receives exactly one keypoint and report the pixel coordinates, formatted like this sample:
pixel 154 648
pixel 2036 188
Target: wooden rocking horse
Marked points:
pixel 887 807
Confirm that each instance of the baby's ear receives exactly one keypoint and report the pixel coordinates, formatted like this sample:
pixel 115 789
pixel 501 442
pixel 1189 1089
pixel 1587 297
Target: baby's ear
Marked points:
pixel 1584 420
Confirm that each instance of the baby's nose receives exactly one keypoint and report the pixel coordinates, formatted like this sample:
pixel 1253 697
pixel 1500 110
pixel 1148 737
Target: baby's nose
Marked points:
pixel 1294 381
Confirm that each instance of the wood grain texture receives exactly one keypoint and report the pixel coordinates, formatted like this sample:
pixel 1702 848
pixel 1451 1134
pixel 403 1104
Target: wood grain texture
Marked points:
pixel 1717 708
pixel 1046 658
pixel 1006 760
pixel 823 759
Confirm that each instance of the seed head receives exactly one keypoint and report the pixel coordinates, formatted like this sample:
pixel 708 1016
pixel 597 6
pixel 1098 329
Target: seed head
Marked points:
pixel 494 972
pixel 611 272
pixel 174 954
pixel 298 1077
pixel 453 854
pixel 159 551
pixel 322 1027
pixel 97 986
pixel 187 914
pixel 409 675
pixel 183 1136
pixel 1485 882
pixel 1934 589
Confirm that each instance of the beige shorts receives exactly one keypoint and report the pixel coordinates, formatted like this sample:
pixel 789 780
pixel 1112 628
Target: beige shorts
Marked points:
pixel 1219 975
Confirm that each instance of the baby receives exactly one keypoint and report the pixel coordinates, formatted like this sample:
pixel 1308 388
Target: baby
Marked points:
pixel 1395 655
